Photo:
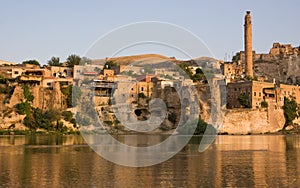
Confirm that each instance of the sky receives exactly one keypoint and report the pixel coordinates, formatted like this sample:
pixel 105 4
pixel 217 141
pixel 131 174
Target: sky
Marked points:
pixel 36 29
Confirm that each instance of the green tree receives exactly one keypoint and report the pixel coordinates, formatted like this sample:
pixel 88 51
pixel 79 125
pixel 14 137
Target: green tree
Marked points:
pixel 73 94
pixel 68 116
pixel 236 57
pixel 23 108
pixel 85 60
pixel 199 71
pixel 109 65
pixel 291 111
pixel 37 119
pixel 52 115
pixel 32 62
pixel 54 61
pixel 73 60
pixel 264 104
pixel 27 94
pixel 243 100
pixel 185 66
pixel 198 76
pixel 142 95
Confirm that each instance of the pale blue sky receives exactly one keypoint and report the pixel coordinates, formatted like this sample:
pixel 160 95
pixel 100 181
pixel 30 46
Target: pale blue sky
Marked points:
pixel 42 29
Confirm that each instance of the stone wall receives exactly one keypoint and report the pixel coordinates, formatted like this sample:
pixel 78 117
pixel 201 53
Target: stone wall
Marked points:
pixel 245 121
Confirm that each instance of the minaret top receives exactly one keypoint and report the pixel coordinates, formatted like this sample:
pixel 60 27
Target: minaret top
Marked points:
pixel 248 18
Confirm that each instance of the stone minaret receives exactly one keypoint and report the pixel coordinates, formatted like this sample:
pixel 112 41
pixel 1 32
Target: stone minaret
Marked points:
pixel 248 45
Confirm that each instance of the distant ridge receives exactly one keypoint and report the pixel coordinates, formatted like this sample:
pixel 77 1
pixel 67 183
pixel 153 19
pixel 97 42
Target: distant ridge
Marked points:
pixel 129 59
pixel 153 58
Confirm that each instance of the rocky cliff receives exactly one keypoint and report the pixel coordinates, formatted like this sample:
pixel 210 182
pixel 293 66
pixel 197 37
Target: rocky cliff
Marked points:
pixel 282 69
pixel 44 98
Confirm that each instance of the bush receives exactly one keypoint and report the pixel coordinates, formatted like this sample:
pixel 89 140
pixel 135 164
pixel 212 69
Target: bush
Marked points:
pixel 142 95
pixel 67 115
pixel 243 100
pixel 32 62
pixel 37 119
pixel 73 121
pixel 73 94
pixel 23 108
pixel 52 115
pixel 264 104
pixel 27 94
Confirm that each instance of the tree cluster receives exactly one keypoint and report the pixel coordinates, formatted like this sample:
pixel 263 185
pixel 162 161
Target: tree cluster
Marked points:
pixel 291 111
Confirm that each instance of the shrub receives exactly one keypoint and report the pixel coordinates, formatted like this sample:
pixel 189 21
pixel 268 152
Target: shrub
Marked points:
pixel 51 115
pixel 73 94
pixel 264 104
pixel 32 62
pixel 67 115
pixel 291 111
pixel 23 108
pixel 27 94
pixel 37 119
pixel 73 121
pixel 142 95
pixel 243 100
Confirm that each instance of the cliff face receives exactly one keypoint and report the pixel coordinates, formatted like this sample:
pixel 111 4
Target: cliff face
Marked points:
pixel 47 99
pixel 44 99
pixel 238 121
pixel 283 69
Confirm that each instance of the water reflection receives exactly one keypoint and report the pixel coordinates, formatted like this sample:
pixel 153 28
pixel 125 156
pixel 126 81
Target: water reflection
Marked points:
pixel 232 161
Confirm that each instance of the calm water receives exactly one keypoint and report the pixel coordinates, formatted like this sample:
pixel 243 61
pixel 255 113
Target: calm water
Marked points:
pixel 232 161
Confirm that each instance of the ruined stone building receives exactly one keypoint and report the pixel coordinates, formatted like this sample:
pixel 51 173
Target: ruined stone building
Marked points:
pixel 255 93
pixel 250 64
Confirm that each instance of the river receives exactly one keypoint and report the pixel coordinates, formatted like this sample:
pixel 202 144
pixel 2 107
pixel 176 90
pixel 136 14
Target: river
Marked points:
pixel 231 161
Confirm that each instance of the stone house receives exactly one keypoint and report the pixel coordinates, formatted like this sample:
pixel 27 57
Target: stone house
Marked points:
pixel 290 91
pixel 257 92
pixel 61 72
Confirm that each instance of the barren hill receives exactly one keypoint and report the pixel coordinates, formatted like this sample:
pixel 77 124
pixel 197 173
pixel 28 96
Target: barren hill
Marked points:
pixel 153 59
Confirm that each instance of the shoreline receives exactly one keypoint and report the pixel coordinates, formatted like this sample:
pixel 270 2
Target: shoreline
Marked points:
pixel 32 132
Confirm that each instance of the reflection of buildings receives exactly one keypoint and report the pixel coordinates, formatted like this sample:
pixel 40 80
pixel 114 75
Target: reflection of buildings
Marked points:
pixel 232 161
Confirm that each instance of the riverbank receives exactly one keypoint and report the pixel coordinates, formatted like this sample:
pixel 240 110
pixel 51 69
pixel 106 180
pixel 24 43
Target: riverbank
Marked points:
pixel 32 132
pixel 295 131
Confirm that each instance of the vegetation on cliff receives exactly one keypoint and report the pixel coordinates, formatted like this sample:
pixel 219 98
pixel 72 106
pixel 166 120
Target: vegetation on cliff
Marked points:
pixel 6 88
pixel 291 111
pixel 36 118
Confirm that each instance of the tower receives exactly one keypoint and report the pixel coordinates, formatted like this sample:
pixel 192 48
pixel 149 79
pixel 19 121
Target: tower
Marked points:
pixel 248 45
